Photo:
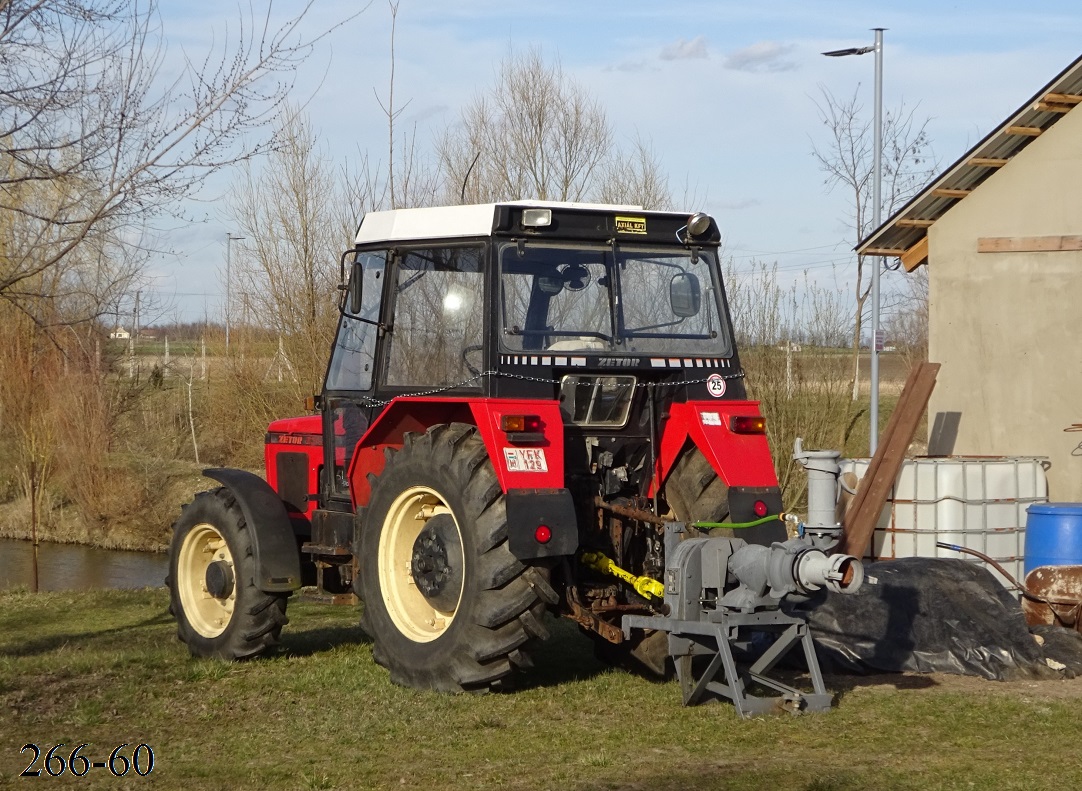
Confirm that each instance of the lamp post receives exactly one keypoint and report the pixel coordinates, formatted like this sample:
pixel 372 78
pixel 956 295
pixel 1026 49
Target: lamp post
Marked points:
pixel 877 203
pixel 229 239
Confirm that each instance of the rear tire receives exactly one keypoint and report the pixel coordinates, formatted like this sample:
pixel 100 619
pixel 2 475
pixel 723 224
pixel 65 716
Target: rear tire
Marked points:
pixel 695 492
pixel 447 605
pixel 212 593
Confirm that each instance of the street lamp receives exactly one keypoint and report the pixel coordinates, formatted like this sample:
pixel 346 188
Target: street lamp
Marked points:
pixel 229 239
pixel 877 203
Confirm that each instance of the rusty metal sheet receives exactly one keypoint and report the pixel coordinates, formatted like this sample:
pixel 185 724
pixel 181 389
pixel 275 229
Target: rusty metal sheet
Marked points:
pixel 1053 596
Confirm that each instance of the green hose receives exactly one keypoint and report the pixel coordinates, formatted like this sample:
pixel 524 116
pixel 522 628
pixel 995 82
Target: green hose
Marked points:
pixel 737 525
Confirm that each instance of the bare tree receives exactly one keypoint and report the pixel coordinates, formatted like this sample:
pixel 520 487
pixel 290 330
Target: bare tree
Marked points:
pixel 290 212
pixel 536 133
pixel 635 176
pixel 848 158
pixel 907 323
pixel 409 180
pixel 94 141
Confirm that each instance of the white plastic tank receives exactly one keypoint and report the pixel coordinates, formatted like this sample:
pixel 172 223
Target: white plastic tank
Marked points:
pixel 977 502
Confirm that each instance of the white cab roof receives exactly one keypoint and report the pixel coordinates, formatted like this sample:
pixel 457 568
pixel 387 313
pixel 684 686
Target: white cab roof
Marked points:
pixel 399 225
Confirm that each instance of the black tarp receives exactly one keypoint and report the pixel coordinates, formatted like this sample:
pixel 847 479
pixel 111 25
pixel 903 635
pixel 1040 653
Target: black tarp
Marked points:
pixel 930 616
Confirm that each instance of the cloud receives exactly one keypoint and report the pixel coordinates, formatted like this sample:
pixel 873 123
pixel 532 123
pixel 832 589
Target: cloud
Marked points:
pixel 761 56
pixel 685 50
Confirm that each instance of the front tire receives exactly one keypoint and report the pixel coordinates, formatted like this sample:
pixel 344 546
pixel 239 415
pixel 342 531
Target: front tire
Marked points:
pixel 447 605
pixel 212 593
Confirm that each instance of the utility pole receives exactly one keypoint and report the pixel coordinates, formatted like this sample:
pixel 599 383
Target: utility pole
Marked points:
pixel 877 205
pixel 229 239
pixel 132 336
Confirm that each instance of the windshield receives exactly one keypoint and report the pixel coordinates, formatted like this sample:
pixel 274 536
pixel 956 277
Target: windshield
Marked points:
pixel 625 300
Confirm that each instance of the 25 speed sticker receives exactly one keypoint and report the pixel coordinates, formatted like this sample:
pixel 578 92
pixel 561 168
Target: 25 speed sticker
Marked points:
pixel 118 764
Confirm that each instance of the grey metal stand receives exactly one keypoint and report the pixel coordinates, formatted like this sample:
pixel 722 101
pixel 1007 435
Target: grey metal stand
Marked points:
pixel 725 676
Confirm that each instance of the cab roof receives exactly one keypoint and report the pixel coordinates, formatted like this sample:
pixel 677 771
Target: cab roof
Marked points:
pixel 439 222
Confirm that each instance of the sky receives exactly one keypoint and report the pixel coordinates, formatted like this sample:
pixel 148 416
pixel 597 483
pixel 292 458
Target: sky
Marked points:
pixel 725 93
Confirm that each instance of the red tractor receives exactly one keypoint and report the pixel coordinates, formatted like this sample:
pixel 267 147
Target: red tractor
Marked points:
pixel 520 396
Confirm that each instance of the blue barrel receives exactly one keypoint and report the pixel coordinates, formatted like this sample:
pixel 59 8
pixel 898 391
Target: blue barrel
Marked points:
pixel 1053 535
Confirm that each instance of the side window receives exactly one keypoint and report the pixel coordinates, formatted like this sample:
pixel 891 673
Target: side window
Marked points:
pixel 438 318
pixel 353 356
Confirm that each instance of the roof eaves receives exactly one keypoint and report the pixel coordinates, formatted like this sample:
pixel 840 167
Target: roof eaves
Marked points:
pixel 908 227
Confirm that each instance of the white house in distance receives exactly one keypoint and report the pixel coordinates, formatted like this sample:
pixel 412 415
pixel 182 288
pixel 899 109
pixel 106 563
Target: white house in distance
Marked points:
pixel 1000 231
pixel 120 334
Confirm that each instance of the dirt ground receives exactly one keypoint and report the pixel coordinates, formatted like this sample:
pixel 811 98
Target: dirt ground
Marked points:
pixel 940 683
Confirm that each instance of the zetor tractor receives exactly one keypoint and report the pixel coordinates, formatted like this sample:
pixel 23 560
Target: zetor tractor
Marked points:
pixel 527 407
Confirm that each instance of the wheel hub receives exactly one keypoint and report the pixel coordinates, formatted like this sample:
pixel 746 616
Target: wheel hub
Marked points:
pixel 219 579
pixel 436 562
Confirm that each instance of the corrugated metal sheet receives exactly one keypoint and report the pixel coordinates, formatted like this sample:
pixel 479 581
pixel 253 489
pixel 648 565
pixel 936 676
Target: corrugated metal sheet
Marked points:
pixel 897 234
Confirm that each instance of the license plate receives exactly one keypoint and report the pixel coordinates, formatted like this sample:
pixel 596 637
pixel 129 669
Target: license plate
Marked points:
pixel 525 460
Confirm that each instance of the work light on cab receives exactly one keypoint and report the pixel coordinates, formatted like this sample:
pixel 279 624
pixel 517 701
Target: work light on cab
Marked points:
pixel 536 218
pixel 698 224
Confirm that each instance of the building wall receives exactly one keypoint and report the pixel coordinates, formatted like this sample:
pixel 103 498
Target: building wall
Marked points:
pixel 1007 327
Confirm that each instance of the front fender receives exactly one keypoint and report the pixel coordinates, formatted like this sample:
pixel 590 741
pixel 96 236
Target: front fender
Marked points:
pixel 277 562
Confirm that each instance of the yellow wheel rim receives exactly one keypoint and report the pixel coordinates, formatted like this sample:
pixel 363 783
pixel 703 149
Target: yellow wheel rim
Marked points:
pixel 208 615
pixel 413 614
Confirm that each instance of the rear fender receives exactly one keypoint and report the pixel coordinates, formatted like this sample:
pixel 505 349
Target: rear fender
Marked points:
pixel 534 464
pixel 740 459
pixel 277 562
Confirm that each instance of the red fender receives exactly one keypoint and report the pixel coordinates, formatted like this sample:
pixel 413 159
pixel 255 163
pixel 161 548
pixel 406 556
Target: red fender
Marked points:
pixel 533 465
pixel 740 459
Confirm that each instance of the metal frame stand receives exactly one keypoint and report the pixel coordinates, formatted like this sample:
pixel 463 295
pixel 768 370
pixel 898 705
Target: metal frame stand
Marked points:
pixel 725 675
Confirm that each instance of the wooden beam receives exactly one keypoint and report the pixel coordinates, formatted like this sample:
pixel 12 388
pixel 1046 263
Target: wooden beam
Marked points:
pixel 1045 107
pixel 888 251
pixel 1025 131
pixel 1028 244
pixel 864 509
pixel 987 162
pixel 1062 98
pixel 915 255
pixel 943 192
pixel 906 222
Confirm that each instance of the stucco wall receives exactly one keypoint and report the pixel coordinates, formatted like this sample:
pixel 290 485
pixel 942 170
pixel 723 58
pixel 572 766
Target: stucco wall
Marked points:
pixel 1007 327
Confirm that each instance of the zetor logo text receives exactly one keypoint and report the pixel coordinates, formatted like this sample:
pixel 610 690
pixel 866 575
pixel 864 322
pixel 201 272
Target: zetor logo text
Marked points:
pixel 618 362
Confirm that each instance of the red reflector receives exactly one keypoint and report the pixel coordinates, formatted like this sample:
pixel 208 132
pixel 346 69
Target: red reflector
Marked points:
pixel 542 534
pixel 743 424
pixel 520 423
pixel 760 508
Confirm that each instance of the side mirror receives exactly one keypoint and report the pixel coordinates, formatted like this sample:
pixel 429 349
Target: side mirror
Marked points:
pixel 355 289
pixel 685 295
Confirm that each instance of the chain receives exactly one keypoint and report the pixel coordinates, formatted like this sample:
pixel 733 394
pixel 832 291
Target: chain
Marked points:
pixel 373 402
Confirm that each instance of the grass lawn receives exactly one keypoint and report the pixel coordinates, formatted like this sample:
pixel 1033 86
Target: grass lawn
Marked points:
pixel 105 668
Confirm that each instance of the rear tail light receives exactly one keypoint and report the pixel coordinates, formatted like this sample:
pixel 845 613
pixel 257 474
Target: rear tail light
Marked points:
pixel 542 534
pixel 520 423
pixel 760 508
pixel 743 424
pixel 523 429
